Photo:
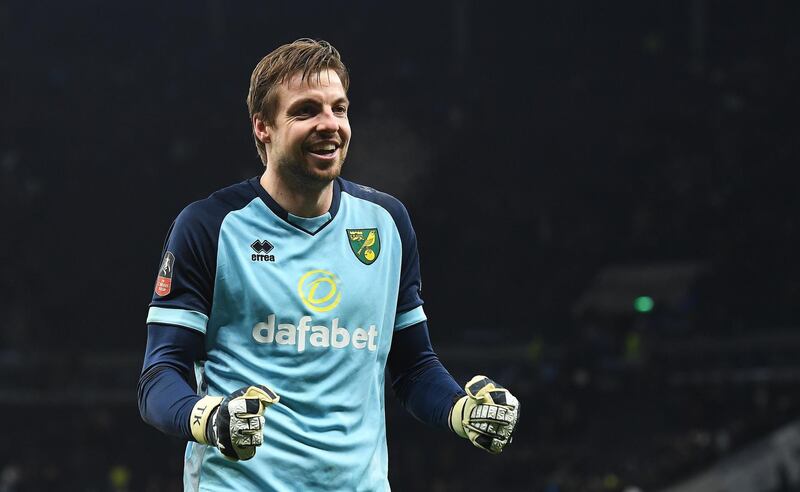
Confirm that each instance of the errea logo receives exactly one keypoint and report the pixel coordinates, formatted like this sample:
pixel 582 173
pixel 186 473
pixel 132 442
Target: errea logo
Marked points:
pixel 262 248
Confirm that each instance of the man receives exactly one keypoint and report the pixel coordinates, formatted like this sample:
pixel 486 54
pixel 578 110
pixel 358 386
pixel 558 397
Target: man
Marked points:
pixel 295 291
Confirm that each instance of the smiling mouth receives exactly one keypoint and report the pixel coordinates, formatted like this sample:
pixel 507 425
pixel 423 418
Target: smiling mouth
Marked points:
pixel 323 151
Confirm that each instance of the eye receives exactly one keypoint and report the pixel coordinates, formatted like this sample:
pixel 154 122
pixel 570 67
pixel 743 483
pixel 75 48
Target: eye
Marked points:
pixel 305 111
pixel 340 109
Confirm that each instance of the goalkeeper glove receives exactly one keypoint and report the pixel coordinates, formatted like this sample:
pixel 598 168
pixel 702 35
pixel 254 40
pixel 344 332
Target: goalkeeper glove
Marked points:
pixel 233 424
pixel 486 415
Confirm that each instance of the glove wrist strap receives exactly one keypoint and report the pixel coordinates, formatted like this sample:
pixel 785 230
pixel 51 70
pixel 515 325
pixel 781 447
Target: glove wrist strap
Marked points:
pixel 457 416
pixel 198 421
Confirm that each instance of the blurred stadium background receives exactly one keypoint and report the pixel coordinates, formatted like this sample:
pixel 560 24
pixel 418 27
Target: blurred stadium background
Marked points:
pixel 605 197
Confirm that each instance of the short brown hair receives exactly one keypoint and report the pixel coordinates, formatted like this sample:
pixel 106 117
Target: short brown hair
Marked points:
pixel 305 55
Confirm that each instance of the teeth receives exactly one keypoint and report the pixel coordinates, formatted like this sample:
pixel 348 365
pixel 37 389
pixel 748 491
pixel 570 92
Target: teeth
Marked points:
pixel 324 148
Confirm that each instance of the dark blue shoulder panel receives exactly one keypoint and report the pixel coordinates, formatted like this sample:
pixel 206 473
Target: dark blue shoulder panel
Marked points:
pixel 410 279
pixel 189 259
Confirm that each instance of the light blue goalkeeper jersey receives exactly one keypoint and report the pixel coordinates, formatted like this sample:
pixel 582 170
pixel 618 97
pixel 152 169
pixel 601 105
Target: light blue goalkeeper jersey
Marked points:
pixel 304 306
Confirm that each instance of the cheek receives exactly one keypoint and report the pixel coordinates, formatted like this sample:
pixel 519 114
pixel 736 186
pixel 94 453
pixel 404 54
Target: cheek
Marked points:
pixel 294 138
pixel 344 130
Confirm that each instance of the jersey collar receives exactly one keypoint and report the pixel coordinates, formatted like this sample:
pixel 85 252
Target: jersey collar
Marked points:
pixel 284 215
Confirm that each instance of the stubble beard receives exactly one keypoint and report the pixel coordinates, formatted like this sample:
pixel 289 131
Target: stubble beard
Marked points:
pixel 301 175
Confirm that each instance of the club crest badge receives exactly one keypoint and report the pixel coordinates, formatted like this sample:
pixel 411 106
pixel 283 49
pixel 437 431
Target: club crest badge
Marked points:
pixel 164 280
pixel 365 243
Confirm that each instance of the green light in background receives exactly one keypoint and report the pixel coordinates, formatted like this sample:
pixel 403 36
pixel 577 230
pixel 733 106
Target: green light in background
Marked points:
pixel 643 304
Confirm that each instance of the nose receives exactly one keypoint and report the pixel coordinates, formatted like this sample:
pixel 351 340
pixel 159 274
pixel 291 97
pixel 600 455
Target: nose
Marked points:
pixel 327 121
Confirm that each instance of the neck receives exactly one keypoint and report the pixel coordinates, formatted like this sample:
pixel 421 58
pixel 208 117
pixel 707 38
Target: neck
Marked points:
pixel 301 199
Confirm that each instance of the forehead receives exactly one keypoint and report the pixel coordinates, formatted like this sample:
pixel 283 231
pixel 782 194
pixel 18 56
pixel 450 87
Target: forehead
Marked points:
pixel 323 85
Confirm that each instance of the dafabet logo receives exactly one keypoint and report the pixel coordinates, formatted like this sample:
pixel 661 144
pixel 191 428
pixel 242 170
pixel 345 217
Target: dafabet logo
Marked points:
pixel 320 291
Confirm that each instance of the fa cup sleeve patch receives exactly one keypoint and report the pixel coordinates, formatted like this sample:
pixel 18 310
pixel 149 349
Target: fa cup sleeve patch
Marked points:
pixel 164 280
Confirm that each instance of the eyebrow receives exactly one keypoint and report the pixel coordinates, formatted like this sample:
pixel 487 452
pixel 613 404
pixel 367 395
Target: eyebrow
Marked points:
pixel 312 100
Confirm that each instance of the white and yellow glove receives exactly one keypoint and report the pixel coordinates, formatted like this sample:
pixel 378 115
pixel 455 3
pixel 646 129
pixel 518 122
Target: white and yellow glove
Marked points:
pixel 486 415
pixel 233 424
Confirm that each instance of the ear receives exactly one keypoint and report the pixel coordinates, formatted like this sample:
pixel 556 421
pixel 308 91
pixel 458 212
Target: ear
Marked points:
pixel 261 130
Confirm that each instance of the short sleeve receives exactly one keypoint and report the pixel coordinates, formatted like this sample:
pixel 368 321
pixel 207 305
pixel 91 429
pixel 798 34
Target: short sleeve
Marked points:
pixel 409 298
pixel 184 285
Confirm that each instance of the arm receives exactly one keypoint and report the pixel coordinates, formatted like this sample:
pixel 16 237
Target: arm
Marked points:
pixel 165 390
pixel 486 413
pixel 177 322
pixel 168 402
pixel 421 383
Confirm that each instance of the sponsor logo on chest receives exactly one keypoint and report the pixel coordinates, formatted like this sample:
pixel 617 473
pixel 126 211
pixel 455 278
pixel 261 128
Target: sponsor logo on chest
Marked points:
pixel 320 291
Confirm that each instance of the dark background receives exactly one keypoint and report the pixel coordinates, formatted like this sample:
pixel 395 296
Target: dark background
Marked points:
pixel 535 147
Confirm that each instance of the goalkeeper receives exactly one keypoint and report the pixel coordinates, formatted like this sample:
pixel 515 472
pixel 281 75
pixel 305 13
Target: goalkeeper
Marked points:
pixel 280 302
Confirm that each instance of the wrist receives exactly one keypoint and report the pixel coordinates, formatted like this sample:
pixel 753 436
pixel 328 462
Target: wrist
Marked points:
pixel 457 414
pixel 201 417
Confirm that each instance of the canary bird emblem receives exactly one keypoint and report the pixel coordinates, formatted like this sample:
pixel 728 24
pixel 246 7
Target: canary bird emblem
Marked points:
pixel 365 243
